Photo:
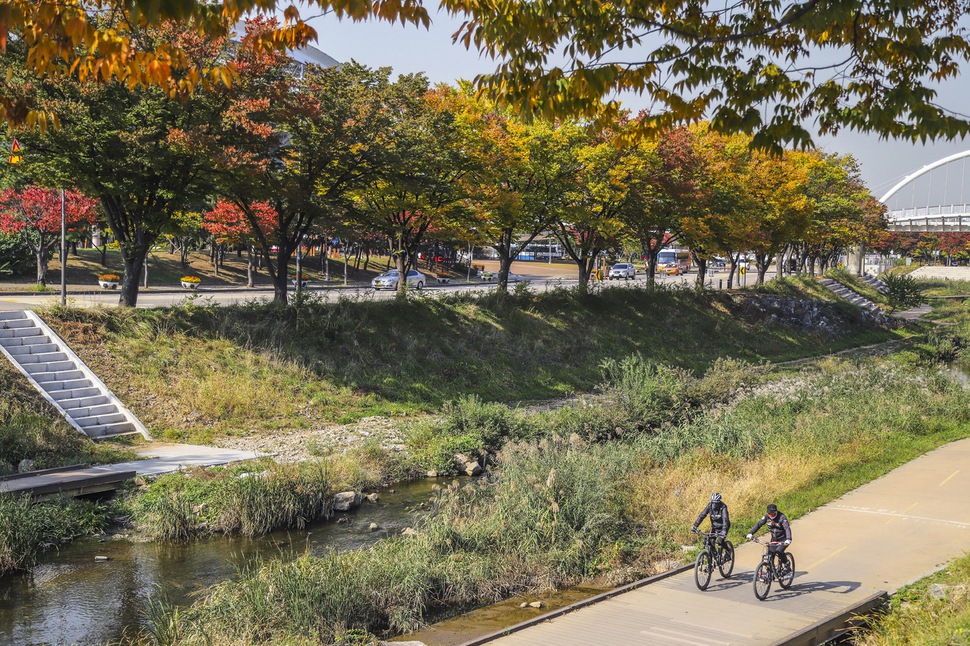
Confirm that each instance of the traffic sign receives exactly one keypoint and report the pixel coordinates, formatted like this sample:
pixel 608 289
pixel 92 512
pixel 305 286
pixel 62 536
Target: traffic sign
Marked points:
pixel 15 155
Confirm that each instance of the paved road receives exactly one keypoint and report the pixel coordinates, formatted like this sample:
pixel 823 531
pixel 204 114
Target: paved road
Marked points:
pixel 886 534
pixel 539 276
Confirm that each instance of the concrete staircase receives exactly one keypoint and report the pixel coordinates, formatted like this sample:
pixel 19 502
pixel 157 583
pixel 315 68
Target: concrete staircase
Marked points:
pixel 63 379
pixel 853 297
pixel 876 284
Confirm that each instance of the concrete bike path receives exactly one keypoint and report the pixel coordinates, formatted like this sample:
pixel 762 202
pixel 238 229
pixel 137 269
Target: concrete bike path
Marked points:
pixel 879 537
pixel 159 458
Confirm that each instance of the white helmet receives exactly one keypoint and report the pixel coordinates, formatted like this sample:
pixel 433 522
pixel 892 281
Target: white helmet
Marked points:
pixel 715 497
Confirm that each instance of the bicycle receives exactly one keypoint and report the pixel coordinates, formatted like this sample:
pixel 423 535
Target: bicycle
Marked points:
pixel 766 571
pixel 712 554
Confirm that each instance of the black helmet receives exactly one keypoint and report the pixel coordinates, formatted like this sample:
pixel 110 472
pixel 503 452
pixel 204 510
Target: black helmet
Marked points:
pixel 772 509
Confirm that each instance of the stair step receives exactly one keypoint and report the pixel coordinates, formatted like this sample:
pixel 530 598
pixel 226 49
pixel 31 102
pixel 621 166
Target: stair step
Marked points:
pixel 20 341
pixel 109 430
pixel 100 419
pixel 44 378
pixel 92 411
pixel 16 333
pixel 50 367
pixel 12 315
pixel 14 324
pixel 68 394
pixel 68 384
pixel 35 348
pixel 70 403
pixel 43 357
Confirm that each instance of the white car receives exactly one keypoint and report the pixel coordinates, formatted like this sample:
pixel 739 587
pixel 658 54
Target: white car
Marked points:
pixel 389 279
pixel 623 270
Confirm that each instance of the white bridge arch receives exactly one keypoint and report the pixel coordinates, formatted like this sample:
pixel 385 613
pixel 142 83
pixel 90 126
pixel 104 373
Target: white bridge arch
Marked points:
pixel 944 206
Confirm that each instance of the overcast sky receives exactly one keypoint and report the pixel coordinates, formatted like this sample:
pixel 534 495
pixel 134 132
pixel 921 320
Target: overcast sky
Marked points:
pixel 410 49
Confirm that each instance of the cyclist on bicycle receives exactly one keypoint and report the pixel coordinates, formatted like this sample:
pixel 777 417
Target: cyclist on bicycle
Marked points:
pixel 720 521
pixel 779 529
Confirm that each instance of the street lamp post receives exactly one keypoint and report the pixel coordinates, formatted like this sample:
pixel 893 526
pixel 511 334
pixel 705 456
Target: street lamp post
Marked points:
pixel 63 252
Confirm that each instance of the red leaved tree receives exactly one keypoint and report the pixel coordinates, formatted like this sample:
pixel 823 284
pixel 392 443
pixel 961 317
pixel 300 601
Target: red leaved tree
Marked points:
pixel 229 225
pixel 35 214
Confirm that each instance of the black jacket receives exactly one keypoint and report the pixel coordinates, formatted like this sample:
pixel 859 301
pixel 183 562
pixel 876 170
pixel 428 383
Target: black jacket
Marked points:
pixel 779 527
pixel 720 521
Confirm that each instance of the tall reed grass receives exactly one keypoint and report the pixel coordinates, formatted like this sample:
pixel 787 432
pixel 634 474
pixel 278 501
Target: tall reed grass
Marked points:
pixel 200 502
pixel 29 527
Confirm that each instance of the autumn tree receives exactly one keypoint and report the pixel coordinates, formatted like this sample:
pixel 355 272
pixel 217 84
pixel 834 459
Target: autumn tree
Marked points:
pixel 844 212
pixel 34 214
pixel 421 165
pixel 519 176
pixel 301 144
pixel 592 219
pixel 752 67
pixel 103 41
pixel 726 223
pixel 145 157
pixel 665 192
pixel 228 224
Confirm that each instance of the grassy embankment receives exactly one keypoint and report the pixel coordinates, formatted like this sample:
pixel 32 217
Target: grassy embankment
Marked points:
pixel 196 372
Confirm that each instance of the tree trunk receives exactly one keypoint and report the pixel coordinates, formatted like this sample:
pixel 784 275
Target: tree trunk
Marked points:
pixel 129 281
pixel 701 272
pixel 249 265
pixel 40 253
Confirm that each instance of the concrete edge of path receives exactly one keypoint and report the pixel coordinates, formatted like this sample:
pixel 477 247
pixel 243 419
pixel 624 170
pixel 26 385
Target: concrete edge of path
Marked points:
pixel 576 606
pixel 832 627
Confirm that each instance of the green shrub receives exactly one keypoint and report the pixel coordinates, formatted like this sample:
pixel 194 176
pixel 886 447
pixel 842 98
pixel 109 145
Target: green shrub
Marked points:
pixel 902 290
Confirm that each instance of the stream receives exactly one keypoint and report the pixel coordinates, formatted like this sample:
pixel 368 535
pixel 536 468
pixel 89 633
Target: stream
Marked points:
pixel 75 596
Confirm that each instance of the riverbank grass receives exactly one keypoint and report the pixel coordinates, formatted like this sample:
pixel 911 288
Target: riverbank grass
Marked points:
pixel 931 612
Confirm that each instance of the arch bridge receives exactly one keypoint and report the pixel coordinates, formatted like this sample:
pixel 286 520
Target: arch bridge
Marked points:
pixel 934 198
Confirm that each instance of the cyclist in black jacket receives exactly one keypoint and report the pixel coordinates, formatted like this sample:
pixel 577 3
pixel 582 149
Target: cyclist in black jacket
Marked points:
pixel 720 521
pixel 779 529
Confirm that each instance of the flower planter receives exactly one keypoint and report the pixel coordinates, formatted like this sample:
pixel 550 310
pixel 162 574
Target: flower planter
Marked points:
pixel 108 284
pixel 302 282
pixel 189 285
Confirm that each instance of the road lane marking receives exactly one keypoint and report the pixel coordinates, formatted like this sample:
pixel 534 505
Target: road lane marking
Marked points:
pixel 817 563
pixel 948 477
pixel 907 510
pixel 883 512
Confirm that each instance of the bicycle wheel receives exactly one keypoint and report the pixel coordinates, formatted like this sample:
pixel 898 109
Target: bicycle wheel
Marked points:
pixel 726 565
pixel 702 569
pixel 762 580
pixel 787 575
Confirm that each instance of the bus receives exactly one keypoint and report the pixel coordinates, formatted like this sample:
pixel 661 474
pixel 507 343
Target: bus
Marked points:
pixel 681 257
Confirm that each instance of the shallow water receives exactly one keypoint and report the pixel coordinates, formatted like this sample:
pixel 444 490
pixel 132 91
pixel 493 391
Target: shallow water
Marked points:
pixel 72 598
